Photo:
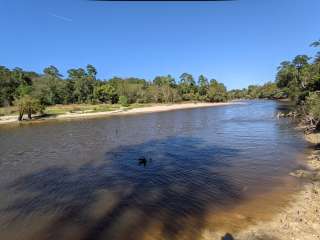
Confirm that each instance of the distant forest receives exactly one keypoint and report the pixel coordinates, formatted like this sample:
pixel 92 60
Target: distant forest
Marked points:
pixel 298 80
pixel 82 86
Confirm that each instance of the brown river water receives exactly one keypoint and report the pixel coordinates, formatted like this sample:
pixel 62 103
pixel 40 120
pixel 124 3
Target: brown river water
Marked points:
pixel 167 175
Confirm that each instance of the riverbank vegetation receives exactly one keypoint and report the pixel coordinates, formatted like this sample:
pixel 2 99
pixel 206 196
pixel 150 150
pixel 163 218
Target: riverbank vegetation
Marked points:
pixel 26 92
pixel 297 80
pixel 31 92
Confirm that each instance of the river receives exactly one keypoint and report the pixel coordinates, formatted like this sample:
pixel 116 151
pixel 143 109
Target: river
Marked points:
pixel 165 175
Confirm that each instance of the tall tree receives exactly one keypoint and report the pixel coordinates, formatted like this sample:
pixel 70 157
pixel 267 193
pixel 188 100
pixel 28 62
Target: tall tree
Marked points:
pixel 8 86
pixel 217 91
pixel 187 87
pixel 91 71
pixel 83 84
pixel 164 80
pixel 52 71
pixel 203 84
pixel 187 79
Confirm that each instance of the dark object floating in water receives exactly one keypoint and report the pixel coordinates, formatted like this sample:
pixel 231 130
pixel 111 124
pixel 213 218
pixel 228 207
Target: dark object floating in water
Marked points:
pixel 228 236
pixel 143 161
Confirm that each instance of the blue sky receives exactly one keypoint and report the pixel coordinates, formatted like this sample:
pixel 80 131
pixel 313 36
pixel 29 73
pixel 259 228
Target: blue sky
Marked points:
pixel 239 43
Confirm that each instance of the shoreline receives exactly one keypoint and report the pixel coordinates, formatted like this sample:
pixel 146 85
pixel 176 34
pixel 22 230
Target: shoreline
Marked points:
pixel 300 219
pixel 6 120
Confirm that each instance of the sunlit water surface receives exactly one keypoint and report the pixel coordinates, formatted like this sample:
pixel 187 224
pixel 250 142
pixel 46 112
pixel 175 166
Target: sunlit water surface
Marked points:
pixel 163 175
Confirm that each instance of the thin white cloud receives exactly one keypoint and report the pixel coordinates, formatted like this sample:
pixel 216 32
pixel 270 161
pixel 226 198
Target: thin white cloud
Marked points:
pixel 61 17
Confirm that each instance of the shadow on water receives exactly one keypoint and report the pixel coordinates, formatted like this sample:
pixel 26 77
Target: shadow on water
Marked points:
pixel 171 182
pixel 228 236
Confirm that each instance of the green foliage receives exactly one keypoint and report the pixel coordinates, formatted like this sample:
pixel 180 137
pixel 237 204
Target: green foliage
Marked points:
pixel 10 81
pixel 31 91
pixel 164 80
pixel 295 78
pixel 268 90
pixel 313 105
pixel 83 84
pixel 123 100
pixel 300 80
pixel 23 90
pixel 52 71
pixel 132 88
pixel 7 86
pixel 28 104
pixel 91 71
pixel 317 57
pixel 203 85
pixel 187 87
pixel 105 93
pixel 237 93
pixel 49 90
pixel 217 92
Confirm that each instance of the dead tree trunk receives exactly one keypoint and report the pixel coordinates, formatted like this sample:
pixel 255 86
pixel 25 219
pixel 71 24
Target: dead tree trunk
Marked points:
pixel 20 116
pixel 29 113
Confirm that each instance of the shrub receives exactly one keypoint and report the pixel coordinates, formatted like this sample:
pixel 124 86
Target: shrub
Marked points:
pixel 28 104
pixel 123 100
pixel 313 105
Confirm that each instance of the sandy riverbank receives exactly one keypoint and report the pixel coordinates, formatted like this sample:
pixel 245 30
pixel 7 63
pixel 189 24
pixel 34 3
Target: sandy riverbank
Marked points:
pixel 299 220
pixel 120 111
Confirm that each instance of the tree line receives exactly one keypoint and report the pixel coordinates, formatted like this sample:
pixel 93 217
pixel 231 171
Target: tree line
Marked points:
pixel 299 80
pixel 32 92
pixel 82 86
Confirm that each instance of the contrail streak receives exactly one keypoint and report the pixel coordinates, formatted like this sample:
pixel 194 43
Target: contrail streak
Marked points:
pixel 61 17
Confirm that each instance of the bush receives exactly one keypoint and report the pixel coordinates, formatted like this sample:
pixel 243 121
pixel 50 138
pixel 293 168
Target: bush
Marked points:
pixel 313 105
pixel 28 104
pixel 105 93
pixel 123 100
